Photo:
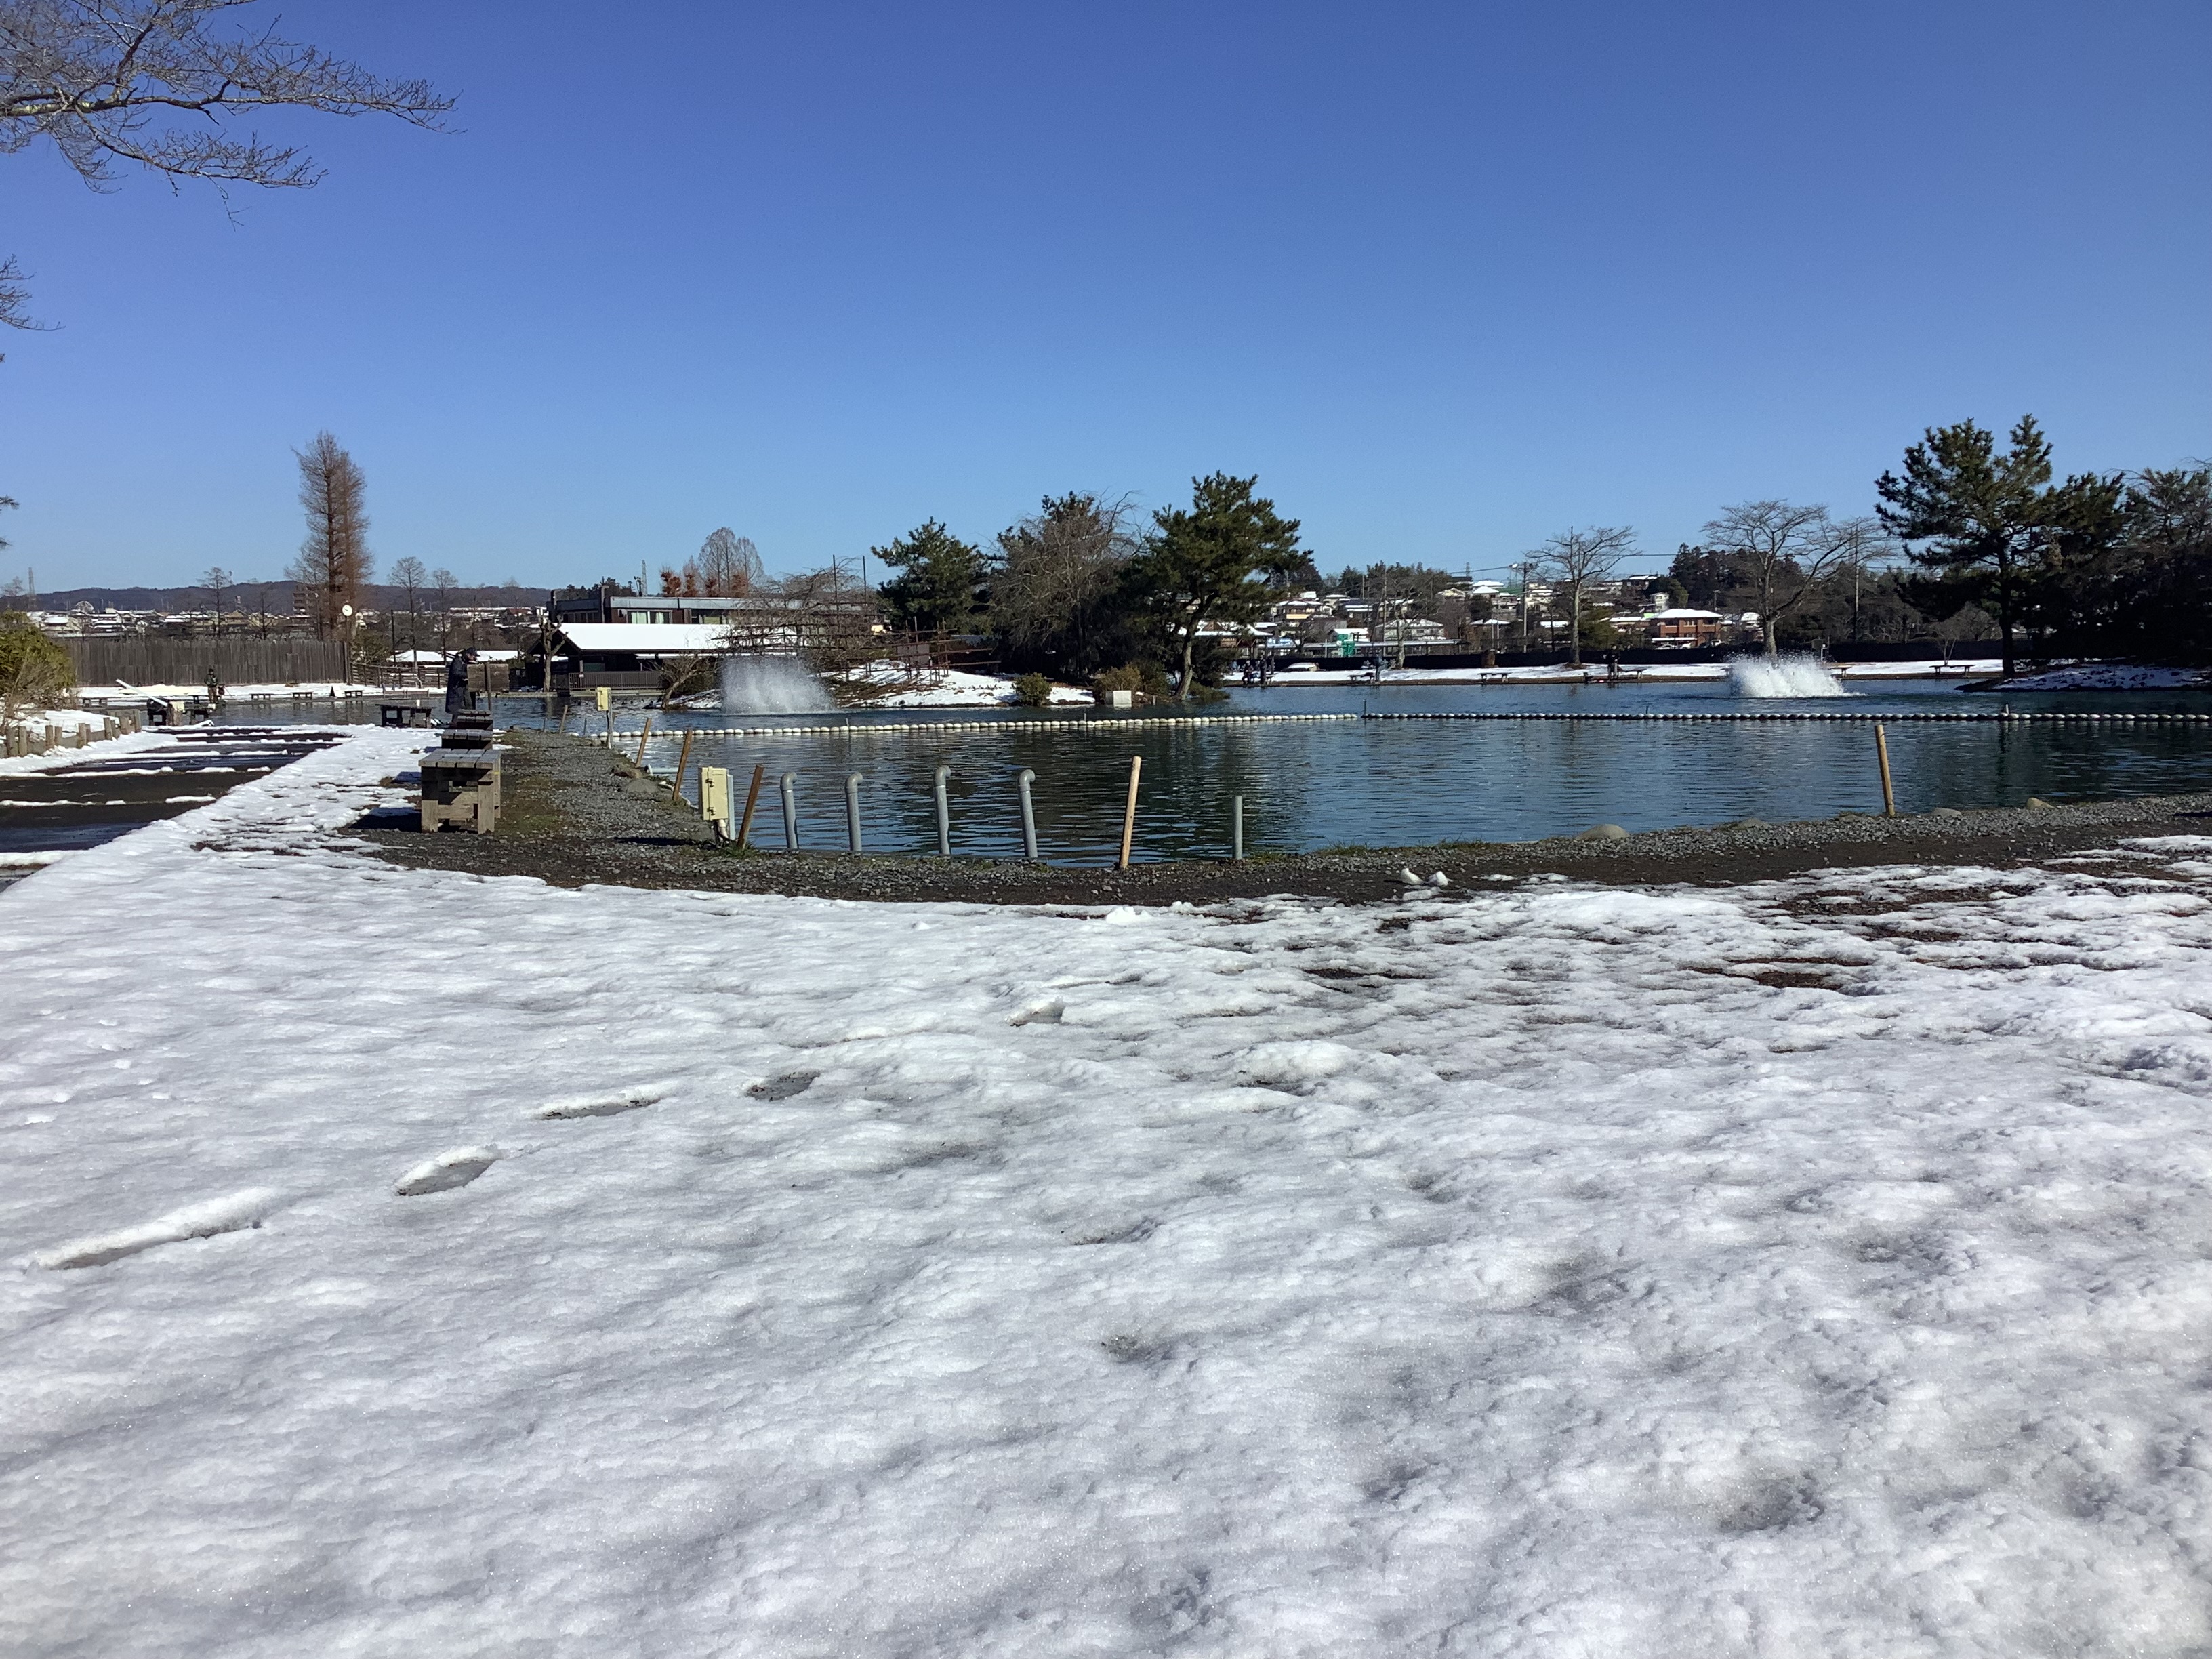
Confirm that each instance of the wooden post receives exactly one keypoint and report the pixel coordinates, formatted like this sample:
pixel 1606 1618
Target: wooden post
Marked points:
pixel 562 729
pixel 1129 811
pixel 642 737
pixel 752 796
pixel 1237 828
pixel 1881 755
pixel 682 760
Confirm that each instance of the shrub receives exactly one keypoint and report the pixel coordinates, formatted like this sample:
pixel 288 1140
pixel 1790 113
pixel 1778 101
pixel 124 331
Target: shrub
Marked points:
pixel 34 671
pixel 1032 690
pixel 1148 680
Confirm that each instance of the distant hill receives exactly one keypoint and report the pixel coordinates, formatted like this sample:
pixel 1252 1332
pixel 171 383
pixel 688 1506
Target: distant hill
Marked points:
pixel 275 598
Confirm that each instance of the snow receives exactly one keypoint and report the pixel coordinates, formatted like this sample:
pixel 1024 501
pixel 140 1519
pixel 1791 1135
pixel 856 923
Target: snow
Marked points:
pixel 51 724
pixel 131 695
pixel 94 748
pixel 952 688
pixel 1560 673
pixel 1542 674
pixel 1957 668
pixel 2108 677
pixel 415 1261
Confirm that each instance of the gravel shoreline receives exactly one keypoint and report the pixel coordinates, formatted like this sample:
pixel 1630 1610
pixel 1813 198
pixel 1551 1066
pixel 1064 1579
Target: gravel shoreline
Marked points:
pixel 575 815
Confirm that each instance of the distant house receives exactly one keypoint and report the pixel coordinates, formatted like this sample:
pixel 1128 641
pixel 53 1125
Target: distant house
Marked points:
pixel 1684 630
pixel 603 604
pixel 631 656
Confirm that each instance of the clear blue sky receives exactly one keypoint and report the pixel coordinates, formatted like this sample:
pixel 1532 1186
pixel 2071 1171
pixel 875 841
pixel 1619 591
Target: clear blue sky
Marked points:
pixel 1447 277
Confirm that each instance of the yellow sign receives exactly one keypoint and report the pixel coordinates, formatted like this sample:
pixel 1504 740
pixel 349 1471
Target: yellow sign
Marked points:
pixel 605 701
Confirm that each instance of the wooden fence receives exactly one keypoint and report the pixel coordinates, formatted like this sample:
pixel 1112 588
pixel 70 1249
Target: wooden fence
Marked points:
pixel 235 661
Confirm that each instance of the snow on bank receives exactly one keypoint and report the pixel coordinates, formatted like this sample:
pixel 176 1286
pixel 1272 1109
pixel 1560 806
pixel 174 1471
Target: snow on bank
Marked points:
pixel 1812 1268
pixel 96 748
pixel 953 687
pixel 2108 677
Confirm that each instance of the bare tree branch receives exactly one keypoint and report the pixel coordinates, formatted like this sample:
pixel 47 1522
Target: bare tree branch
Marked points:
pixel 1787 552
pixel 1578 559
pixel 14 298
pixel 151 83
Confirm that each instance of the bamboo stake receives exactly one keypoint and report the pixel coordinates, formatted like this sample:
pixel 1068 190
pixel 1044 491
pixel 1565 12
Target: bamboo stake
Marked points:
pixel 753 795
pixel 1881 754
pixel 682 760
pixel 642 737
pixel 1129 811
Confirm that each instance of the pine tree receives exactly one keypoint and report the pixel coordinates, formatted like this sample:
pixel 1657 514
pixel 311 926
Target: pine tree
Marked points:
pixel 939 586
pixel 1208 563
pixel 1987 523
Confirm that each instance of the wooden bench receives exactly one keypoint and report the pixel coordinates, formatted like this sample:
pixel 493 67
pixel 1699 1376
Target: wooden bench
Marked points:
pixel 395 714
pixel 460 787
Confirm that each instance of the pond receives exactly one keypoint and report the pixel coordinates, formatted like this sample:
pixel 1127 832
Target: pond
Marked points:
pixel 1349 781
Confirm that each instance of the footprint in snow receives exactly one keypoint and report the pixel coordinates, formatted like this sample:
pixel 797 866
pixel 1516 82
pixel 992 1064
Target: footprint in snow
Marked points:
pixel 447 1171
pixel 629 1100
pixel 219 1215
pixel 784 1087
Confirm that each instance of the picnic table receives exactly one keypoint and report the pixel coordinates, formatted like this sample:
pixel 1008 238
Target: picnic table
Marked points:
pixel 460 777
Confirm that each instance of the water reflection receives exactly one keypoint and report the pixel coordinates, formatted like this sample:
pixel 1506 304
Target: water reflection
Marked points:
pixel 1385 783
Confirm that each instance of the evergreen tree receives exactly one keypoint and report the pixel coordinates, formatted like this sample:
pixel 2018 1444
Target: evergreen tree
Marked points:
pixel 1210 563
pixel 1987 523
pixel 939 587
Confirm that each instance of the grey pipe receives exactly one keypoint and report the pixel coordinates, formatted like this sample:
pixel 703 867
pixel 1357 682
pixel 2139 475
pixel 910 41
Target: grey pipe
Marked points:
pixel 852 809
pixel 1237 828
pixel 1022 781
pixel 944 815
pixel 790 812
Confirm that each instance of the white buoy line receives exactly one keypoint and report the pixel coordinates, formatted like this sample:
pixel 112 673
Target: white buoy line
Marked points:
pixel 985 725
pixel 1141 722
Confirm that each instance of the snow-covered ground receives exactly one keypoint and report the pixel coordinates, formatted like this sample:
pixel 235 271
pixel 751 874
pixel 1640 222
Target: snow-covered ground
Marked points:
pixel 58 725
pixel 273 690
pixel 2109 676
pixel 1558 674
pixel 407 1261
pixel 954 688
pixel 94 749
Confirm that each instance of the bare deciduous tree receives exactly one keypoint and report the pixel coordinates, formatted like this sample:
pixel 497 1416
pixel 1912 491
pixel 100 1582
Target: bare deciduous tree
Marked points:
pixel 729 565
pixel 1785 553
pixel 334 560
pixel 14 298
pixel 408 574
pixel 442 584
pixel 1578 559
pixel 1056 572
pixel 154 82
pixel 217 581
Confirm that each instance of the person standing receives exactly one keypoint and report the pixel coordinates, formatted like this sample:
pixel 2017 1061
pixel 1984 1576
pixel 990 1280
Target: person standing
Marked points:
pixel 459 698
